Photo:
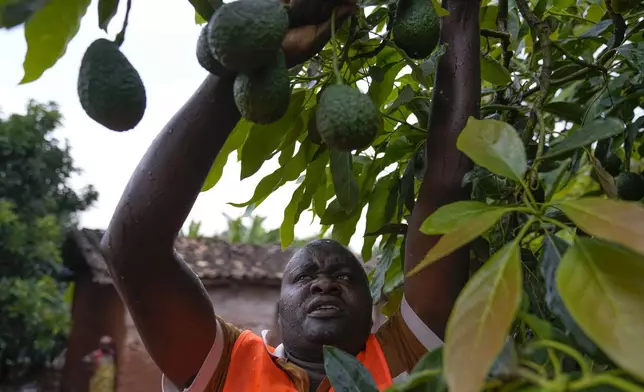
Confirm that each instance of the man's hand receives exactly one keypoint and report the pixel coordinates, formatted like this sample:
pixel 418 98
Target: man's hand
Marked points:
pixel 311 26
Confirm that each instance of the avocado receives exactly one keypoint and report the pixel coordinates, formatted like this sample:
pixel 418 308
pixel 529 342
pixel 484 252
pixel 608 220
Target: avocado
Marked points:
pixel 263 95
pixel 630 186
pixel 416 28
pixel 109 88
pixel 346 118
pixel 313 132
pixel 205 58
pixel 246 34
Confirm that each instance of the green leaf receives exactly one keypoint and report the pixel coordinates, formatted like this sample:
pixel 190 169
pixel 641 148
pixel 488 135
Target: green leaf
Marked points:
pixel 106 11
pixel 334 214
pixel 563 4
pixel 429 66
pixel 440 11
pixel 480 321
pixel 613 220
pixel 494 72
pixel 264 139
pixel 397 148
pixel 320 197
pixel 404 96
pixel 598 129
pixel 346 373
pixel 343 231
pixel 553 250
pixel 597 29
pixel 315 177
pixel 344 182
pixel 610 308
pixel 48 32
pixel 389 60
pixel 235 140
pixel 264 188
pixel 451 216
pixel 496 146
pixel 634 54
pixel 287 229
pixel 568 111
pixel 377 212
pixel 199 19
pixel 378 278
pixel 459 236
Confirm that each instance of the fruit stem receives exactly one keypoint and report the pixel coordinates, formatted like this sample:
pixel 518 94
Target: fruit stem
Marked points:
pixel 120 37
pixel 336 71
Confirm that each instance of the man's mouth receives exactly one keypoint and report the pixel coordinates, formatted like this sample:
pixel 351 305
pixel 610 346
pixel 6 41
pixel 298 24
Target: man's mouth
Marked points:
pixel 325 309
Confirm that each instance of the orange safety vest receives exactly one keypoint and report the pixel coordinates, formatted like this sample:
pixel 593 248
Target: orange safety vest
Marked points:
pixel 252 369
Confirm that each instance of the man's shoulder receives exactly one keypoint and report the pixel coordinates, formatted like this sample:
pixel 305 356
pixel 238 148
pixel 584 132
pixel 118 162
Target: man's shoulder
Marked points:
pixel 212 374
pixel 404 339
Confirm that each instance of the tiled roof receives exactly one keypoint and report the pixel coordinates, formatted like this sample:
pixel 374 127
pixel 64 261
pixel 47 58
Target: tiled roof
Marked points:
pixel 212 259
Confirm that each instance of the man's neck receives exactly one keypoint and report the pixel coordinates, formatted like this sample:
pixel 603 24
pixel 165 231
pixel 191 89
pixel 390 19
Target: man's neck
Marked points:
pixel 315 366
pixel 315 369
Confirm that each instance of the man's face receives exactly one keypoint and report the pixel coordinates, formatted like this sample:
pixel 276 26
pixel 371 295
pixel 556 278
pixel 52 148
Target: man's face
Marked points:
pixel 325 299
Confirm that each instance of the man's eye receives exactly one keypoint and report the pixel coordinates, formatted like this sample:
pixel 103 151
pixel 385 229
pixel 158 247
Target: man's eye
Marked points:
pixel 343 277
pixel 302 277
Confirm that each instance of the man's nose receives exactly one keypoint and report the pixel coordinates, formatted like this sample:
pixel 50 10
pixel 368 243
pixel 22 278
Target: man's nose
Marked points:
pixel 323 285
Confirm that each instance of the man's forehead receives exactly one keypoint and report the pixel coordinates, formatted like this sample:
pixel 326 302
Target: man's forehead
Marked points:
pixel 321 253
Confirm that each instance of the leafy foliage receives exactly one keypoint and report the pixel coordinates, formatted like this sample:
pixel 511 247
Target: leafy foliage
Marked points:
pixel 36 207
pixel 551 303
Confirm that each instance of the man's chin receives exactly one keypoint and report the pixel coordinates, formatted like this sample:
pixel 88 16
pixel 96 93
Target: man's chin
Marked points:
pixel 325 331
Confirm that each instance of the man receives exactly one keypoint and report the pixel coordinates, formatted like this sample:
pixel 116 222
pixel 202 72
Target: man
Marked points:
pixel 103 366
pixel 324 296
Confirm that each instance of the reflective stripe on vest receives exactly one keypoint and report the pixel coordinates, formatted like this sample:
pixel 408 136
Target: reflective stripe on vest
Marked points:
pixel 252 369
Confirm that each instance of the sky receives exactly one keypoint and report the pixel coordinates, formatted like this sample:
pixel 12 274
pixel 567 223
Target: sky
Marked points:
pixel 160 42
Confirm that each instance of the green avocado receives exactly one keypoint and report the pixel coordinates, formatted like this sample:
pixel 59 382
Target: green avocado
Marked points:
pixel 346 118
pixel 109 88
pixel 205 58
pixel 416 28
pixel 630 186
pixel 246 34
pixel 263 95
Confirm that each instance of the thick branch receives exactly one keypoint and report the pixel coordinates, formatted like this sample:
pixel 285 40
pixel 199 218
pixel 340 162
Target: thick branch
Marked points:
pixel 502 26
pixel 542 30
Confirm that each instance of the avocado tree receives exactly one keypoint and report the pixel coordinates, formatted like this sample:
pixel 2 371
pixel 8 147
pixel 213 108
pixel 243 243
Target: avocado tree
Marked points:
pixel 554 224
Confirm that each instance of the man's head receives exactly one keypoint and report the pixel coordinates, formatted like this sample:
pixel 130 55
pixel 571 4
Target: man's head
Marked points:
pixel 325 299
pixel 105 343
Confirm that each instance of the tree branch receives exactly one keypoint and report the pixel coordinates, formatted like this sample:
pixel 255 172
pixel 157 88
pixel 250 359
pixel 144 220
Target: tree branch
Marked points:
pixel 577 60
pixel 542 31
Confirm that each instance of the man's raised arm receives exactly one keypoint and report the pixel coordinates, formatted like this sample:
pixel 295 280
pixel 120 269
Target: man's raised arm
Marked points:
pixel 431 293
pixel 169 305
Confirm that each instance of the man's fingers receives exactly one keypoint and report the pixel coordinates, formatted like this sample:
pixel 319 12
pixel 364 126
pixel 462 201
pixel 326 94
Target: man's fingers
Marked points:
pixel 303 42
pixel 323 32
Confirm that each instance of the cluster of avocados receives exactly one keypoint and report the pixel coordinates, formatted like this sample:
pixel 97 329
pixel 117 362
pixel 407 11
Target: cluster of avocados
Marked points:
pixel 244 38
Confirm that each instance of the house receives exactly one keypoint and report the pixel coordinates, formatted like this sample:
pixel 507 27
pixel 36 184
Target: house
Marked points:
pixel 243 281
